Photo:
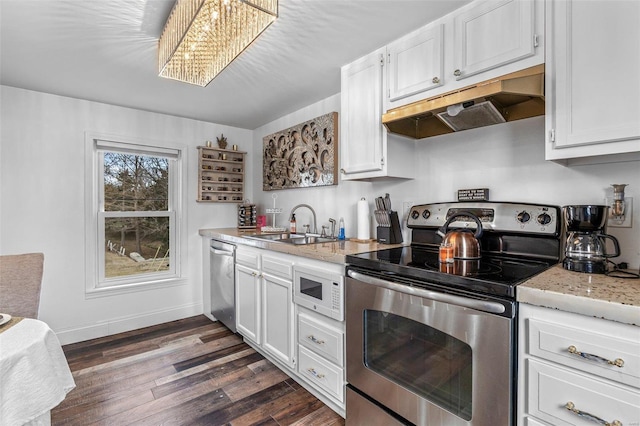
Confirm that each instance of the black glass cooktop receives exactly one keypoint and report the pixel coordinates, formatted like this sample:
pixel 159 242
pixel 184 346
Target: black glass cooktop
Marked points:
pixel 495 275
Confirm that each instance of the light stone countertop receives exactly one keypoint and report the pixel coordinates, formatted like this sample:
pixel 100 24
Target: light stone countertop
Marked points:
pixel 334 252
pixel 596 295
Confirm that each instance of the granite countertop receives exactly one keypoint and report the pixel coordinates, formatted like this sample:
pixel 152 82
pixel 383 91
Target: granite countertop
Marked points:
pixel 334 252
pixel 596 295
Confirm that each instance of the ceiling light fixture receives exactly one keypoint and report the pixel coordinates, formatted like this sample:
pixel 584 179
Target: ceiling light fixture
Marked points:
pixel 201 37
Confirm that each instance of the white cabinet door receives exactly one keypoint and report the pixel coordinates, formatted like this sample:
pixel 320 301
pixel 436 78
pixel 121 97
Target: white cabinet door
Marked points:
pixel 363 137
pixel 593 69
pixel 277 318
pixel 415 63
pixel 490 34
pixel 248 302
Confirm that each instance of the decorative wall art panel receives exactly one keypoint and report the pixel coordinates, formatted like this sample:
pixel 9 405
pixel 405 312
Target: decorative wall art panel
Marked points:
pixel 302 156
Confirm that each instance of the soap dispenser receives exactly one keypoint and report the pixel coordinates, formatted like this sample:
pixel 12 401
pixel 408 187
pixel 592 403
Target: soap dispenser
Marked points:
pixel 341 230
pixel 292 224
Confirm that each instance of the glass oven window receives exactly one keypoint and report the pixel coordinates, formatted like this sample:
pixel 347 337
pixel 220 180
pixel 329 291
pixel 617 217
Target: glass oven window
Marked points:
pixel 422 359
pixel 311 288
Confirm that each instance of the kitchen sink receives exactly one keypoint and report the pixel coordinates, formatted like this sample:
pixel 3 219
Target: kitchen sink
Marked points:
pixel 271 237
pixel 297 239
pixel 308 239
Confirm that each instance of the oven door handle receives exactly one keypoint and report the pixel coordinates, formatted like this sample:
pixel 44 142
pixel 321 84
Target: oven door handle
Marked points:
pixel 480 305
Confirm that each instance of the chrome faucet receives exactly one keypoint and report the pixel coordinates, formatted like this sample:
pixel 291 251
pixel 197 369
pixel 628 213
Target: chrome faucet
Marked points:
pixel 333 227
pixel 315 224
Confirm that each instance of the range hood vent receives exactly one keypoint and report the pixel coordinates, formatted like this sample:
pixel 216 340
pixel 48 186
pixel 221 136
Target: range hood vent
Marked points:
pixel 508 98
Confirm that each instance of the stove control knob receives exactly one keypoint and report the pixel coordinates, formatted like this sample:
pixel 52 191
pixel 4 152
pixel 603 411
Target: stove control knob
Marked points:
pixel 544 219
pixel 523 217
pixel 415 214
pixel 426 214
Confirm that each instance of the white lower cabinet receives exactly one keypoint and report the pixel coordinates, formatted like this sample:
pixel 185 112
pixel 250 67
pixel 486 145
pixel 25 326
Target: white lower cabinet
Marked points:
pixel 306 345
pixel 248 302
pixel 277 318
pixel 322 373
pixel 562 396
pixel 321 353
pixel 576 370
pixel 264 302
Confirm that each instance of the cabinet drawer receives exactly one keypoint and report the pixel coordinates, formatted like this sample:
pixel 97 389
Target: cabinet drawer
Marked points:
pixel 321 373
pixel 321 339
pixel 248 258
pixel 530 421
pixel 551 388
pixel 606 340
pixel 278 267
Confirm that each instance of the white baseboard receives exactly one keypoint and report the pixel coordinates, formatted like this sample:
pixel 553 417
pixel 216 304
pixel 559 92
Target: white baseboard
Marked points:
pixel 122 324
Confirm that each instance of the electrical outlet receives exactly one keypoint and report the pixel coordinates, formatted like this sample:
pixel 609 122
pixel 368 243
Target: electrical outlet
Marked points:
pixel 628 211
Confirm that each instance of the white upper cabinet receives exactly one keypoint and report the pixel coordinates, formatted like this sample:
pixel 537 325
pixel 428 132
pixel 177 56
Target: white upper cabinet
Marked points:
pixel 491 34
pixel 416 62
pixel 363 138
pixel 480 41
pixel 592 78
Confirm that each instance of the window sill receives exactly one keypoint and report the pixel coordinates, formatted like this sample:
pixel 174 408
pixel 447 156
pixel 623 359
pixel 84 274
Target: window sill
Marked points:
pixel 134 287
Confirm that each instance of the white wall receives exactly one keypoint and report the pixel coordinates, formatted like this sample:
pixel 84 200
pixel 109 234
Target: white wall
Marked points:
pixel 42 208
pixel 508 159
pixel 42 193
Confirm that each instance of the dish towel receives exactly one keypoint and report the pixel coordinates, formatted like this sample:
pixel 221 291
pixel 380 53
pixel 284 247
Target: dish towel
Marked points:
pixel 34 371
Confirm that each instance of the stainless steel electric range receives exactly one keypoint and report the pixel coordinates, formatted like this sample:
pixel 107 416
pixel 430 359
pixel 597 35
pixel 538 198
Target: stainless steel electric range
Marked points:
pixel 433 343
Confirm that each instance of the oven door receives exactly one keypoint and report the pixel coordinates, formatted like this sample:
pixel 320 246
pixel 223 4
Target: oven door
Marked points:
pixel 430 357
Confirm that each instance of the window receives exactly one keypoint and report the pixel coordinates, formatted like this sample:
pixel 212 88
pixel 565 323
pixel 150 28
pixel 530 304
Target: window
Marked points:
pixel 133 230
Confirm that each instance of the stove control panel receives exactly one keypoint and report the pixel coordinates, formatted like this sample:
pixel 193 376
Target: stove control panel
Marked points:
pixel 496 216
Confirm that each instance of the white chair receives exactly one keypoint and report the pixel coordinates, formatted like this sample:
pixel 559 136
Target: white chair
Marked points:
pixel 20 284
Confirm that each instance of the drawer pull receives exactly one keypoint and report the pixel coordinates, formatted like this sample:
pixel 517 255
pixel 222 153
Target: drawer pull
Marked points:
pixel 317 375
pixel 618 362
pixel 571 407
pixel 314 340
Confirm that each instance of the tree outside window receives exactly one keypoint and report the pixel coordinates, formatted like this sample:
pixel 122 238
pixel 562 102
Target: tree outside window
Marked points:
pixel 136 214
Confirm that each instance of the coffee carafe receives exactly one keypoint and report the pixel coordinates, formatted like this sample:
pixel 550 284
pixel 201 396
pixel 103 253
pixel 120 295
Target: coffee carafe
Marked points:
pixel 586 248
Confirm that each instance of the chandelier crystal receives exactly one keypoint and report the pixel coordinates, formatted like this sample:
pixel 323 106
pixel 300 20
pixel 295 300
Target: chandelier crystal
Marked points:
pixel 201 37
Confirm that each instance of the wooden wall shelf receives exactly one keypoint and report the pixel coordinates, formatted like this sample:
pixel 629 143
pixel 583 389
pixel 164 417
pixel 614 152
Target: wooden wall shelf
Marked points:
pixel 221 176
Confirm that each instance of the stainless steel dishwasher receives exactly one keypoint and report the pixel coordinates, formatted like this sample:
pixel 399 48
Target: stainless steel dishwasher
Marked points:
pixel 222 278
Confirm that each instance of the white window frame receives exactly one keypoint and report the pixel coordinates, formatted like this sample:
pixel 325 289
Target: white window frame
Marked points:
pixel 95 245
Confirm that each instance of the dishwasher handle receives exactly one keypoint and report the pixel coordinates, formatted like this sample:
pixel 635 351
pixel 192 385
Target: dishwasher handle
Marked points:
pixel 221 252
pixel 480 305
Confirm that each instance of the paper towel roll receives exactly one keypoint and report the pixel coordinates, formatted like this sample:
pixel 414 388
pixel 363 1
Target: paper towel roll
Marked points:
pixel 363 220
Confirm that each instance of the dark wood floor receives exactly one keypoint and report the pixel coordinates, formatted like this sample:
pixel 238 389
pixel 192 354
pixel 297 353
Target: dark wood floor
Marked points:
pixel 187 372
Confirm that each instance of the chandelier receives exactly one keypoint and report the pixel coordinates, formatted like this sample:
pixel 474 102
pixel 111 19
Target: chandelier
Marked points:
pixel 201 37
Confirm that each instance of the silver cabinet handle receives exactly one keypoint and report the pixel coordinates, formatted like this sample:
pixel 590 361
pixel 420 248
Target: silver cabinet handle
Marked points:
pixel 315 374
pixel 571 407
pixel 435 80
pixel 314 340
pixel 457 73
pixel 618 362
pixel 481 305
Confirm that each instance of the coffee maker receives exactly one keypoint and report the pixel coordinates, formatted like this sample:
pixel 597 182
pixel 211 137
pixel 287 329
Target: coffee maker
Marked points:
pixel 585 249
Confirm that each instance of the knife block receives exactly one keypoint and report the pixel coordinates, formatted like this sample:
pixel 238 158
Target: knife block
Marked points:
pixel 390 234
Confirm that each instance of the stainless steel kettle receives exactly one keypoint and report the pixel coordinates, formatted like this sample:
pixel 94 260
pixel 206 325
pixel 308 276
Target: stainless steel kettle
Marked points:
pixel 464 242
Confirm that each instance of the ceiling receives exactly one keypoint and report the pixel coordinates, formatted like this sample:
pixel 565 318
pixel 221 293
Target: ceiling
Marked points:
pixel 106 51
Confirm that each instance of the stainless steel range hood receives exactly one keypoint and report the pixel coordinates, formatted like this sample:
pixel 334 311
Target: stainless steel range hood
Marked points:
pixel 511 97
